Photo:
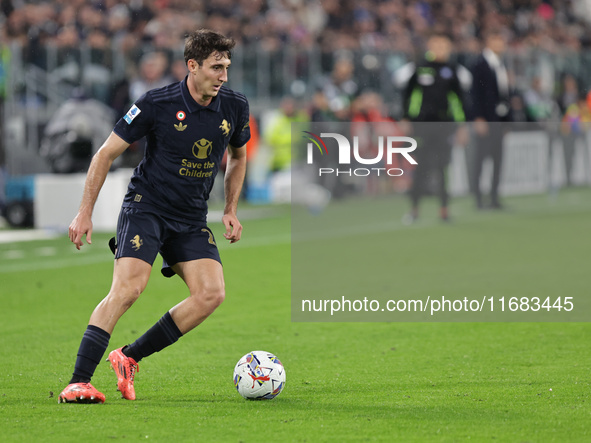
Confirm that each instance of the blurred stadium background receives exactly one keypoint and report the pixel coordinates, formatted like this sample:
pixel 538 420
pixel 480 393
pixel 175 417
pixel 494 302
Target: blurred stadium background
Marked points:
pixel 69 69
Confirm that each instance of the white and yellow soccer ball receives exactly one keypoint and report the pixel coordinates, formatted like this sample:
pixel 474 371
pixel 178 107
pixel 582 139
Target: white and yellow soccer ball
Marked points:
pixel 259 375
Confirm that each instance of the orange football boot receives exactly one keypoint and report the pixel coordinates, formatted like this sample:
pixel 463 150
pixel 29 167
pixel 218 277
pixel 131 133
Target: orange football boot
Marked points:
pixel 81 393
pixel 125 368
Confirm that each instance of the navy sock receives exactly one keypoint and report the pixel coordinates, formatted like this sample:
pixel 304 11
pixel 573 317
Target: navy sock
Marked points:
pixel 164 333
pixel 92 347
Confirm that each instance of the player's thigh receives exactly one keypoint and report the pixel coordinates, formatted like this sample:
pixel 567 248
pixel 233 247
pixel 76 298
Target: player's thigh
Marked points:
pixel 130 276
pixel 203 277
pixel 187 243
pixel 138 241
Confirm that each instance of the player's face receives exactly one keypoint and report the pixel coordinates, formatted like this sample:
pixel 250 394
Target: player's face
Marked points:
pixel 209 77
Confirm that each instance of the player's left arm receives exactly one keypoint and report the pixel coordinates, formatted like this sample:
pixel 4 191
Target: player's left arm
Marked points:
pixel 233 180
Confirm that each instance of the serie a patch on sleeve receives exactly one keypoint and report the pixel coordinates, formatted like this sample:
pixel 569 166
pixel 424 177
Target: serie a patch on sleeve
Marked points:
pixel 133 112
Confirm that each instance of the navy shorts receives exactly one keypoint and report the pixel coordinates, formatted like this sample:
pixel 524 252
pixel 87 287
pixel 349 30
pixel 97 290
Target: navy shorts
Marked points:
pixel 143 235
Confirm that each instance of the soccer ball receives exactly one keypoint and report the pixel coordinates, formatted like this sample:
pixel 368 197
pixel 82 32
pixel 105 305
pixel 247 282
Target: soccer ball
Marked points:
pixel 259 375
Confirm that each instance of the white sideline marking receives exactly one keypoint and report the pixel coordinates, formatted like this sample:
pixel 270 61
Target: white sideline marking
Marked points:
pixel 14 254
pixel 46 251
pixel 67 262
pixel 26 235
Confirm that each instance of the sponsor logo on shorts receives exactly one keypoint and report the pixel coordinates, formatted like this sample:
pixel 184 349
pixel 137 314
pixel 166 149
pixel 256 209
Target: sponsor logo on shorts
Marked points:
pixel 210 240
pixel 137 242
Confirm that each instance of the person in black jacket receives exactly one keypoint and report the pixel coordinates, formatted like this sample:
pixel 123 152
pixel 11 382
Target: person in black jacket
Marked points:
pixel 490 96
pixel 433 99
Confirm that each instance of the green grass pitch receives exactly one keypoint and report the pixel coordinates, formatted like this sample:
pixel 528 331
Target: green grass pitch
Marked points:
pixel 522 382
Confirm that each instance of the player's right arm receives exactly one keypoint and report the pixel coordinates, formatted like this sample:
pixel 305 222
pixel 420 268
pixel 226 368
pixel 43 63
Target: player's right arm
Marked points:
pixel 97 172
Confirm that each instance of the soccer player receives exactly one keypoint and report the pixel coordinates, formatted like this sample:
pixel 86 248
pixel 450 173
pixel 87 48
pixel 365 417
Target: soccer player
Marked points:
pixel 188 126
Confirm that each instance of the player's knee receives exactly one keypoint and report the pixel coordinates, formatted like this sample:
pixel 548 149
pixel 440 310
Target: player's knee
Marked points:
pixel 215 297
pixel 220 296
pixel 212 296
pixel 127 294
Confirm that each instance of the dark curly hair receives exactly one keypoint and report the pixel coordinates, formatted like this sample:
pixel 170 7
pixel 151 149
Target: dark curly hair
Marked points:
pixel 202 43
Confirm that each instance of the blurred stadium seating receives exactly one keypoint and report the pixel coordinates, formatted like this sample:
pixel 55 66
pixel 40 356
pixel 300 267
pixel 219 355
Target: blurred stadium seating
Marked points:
pixel 285 48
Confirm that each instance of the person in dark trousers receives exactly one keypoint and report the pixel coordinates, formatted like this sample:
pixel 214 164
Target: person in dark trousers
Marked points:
pixel 490 96
pixel 433 100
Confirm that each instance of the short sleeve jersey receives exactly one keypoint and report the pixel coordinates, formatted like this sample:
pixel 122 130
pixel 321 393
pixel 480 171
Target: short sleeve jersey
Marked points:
pixel 185 144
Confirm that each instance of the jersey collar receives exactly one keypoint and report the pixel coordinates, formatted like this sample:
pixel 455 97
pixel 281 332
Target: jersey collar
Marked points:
pixel 192 105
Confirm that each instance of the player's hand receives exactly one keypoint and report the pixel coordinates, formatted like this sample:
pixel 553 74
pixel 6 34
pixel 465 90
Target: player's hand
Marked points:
pixel 80 226
pixel 233 227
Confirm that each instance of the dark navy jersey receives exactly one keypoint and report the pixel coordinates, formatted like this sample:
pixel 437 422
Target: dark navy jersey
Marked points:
pixel 185 144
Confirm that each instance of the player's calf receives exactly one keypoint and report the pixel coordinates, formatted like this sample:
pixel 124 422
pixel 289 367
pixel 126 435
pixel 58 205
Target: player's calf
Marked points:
pixel 192 311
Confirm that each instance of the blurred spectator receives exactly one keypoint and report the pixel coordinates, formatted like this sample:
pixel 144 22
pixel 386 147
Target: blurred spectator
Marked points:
pixel 153 67
pixel 278 133
pixel 252 146
pixel 575 124
pixel 569 92
pixel 539 105
pixel 340 88
pixel 369 107
pixel 347 24
pixel 490 96
pixel 320 110
pixel 519 113
pixel 132 28
pixel 341 109
pixel 178 70
pixel 370 121
pixel 98 44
